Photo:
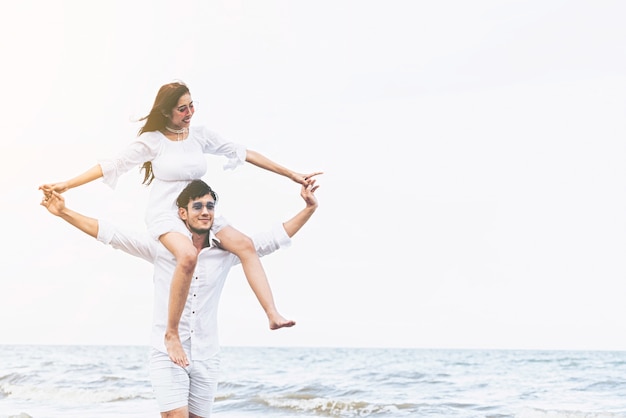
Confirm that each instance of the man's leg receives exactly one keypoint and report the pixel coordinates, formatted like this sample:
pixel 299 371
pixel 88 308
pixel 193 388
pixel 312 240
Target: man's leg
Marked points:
pixel 178 413
pixel 203 378
pixel 170 384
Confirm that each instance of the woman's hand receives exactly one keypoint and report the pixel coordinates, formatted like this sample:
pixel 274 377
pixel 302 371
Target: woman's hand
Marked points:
pixel 304 179
pixel 60 187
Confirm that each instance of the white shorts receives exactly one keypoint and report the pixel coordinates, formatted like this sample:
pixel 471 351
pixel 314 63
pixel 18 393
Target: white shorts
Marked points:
pixel 193 386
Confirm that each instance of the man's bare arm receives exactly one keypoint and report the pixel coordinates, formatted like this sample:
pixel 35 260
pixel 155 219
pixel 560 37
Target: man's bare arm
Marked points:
pixel 55 203
pixel 294 224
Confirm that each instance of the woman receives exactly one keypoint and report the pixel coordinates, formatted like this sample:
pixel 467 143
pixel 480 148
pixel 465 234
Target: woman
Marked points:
pixel 172 153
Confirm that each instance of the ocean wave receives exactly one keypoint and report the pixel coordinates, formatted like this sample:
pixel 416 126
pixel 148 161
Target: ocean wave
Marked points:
pixel 14 378
pixel 335 407
pixel 73 396
pixel 109 379
pixel 345 404
pixel 540 413
pixel 605 386
pixel 327 383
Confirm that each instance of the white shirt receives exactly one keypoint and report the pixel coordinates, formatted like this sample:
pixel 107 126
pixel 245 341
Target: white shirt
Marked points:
pixel 199 319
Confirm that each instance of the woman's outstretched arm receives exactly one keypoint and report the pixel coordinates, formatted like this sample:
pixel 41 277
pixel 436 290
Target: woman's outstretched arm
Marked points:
pixel 262 161
pixel 92 174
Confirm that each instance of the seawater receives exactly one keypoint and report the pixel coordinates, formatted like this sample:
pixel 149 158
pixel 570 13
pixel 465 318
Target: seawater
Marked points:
pixel 112 381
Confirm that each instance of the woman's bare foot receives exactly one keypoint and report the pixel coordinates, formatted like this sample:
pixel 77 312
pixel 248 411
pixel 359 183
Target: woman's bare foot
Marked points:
pixel 175 349
pixel 277 321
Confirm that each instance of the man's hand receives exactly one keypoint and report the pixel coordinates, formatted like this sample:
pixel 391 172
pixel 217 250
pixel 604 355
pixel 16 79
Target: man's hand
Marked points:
pixel 54 202
pixel 308 194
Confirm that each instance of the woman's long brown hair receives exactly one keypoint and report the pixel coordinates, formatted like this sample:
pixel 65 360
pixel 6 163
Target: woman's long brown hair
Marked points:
pixel 166 100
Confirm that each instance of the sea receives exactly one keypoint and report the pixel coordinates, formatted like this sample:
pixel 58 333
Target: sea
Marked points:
pixel 112 381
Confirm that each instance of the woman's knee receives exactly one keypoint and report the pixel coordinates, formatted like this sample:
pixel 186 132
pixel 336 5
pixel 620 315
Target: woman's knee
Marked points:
pixel 187 259
pixel 236 242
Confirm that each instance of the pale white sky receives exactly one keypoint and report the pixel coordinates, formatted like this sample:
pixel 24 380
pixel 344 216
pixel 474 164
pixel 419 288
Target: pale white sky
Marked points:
pixel 474 193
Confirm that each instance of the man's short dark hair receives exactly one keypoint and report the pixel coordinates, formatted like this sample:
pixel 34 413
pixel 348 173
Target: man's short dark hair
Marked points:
pixel 194 190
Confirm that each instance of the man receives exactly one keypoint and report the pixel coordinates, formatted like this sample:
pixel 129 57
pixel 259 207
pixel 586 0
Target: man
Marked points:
pixel 189 391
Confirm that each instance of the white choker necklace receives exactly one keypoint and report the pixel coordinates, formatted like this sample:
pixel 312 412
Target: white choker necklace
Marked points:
pixel 176 131
pixel 180 133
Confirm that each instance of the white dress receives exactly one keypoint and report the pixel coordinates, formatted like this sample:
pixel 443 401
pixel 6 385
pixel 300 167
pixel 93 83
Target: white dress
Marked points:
pixel 175 164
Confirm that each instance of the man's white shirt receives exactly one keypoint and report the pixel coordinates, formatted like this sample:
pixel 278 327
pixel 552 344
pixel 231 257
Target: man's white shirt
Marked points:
pixel 198 322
